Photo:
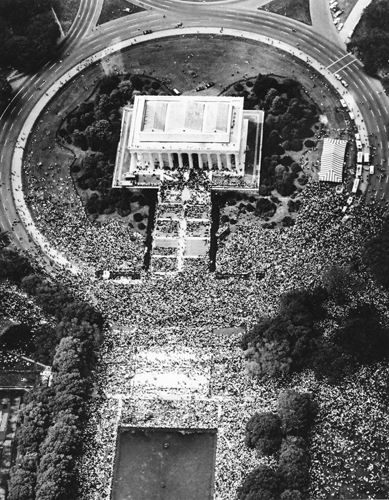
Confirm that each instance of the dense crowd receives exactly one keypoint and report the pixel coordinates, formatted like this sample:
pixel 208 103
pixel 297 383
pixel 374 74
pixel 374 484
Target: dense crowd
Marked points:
pixel 196 303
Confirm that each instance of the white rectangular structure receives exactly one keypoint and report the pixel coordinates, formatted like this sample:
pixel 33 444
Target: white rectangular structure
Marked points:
pixel 161 134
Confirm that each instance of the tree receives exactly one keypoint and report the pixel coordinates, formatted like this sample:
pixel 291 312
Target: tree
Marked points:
pixel 375 255
pixel 261 483
pixel 291 495
pixel 14 265
pixel 108 83
pixel 125 88
pixel 362 336
pixel 263 432
pixel 293 468
pixel 296 411
pixel 21 485
pixel 263 84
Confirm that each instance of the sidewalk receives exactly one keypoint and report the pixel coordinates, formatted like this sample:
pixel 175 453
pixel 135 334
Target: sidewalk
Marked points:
pixel 353 19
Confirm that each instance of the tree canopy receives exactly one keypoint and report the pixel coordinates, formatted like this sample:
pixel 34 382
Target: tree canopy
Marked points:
pixel 28 33
pixel 263 432
pixel 371 41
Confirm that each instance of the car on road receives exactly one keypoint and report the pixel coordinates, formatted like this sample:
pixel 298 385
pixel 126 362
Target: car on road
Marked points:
pixel 147 32
pixel 344 83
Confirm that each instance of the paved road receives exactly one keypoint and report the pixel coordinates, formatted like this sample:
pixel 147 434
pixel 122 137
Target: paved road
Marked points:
pixel 84 39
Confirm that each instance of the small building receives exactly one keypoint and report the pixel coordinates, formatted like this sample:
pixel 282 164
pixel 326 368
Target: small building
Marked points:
pixel 332 159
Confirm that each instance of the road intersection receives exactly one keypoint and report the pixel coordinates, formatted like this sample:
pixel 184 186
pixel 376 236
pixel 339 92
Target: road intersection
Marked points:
pixel 320 45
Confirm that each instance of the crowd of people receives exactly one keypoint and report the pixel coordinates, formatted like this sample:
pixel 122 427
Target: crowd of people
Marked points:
pixel 195 303
pixel 182 310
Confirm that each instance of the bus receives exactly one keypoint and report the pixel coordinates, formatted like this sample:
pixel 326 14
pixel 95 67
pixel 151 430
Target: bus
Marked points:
pixel 355 186
pixel 359 157
pixel 366 157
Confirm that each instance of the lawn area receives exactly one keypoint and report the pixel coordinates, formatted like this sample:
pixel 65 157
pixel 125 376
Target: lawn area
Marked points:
pixel 164 463
pixel 295 9
pixel 114 9
pixel 66 12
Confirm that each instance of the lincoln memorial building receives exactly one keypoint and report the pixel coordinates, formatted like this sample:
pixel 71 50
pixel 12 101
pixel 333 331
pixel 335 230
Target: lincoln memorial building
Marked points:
pixel 164 134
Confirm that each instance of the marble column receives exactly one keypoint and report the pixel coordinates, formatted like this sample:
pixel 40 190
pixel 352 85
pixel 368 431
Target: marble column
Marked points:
pixel 219 161
pixel 171 163
pixel 190 161
pixel 210 164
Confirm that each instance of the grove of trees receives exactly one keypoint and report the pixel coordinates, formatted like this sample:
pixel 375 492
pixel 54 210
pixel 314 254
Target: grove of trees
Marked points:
pixel 28 33
pixel 289 121
pixel 95 126
pixel 283 435
pixel 294 339
pixel 49 439
pixel 370 42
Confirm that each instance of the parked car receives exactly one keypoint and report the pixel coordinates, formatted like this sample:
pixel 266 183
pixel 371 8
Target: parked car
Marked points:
pixel 209 84
pixel 147 32
pixel 200 87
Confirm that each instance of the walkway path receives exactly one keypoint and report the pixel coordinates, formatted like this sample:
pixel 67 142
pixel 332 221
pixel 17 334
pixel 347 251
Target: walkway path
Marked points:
pixel 353 19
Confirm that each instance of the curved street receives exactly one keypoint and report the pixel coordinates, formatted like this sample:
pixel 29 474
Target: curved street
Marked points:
pixel 320 42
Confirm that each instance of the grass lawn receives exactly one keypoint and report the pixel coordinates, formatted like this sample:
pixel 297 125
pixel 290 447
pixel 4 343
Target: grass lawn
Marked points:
pixel 295 9
pixel 66 12
pixel 113 9
pixel 164 463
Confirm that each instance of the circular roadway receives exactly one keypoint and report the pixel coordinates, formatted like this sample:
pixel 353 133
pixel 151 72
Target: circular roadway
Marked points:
pixel 85 40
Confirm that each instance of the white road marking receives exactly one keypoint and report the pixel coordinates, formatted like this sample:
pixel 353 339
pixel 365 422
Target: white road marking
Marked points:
pixel 31 96
pixel 379 112
pixel 19 112
pixel 11 127
pixel 370 95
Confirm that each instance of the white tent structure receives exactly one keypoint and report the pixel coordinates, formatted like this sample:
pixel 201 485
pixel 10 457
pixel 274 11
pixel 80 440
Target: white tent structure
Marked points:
pixel 332 159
